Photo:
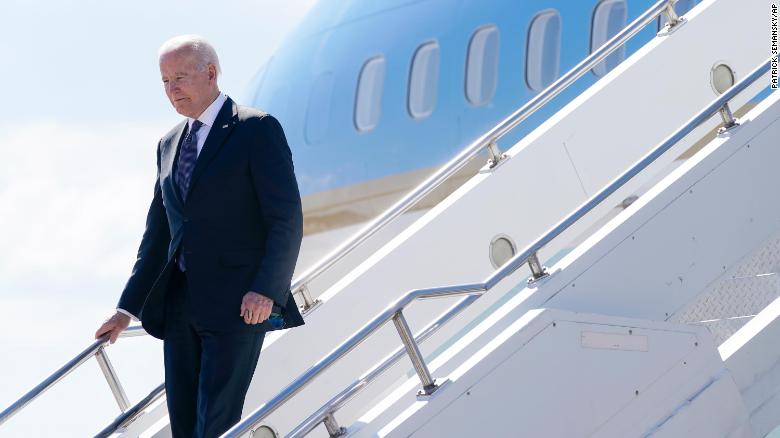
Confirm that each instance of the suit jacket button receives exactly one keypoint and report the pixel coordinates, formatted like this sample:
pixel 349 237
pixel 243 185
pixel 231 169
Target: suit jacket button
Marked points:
pixel 186 219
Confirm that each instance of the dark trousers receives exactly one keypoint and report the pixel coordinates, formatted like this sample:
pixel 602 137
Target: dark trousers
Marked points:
pixel 207 372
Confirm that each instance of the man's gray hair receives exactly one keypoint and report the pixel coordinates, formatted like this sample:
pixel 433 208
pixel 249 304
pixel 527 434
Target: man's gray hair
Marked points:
pixel 202 49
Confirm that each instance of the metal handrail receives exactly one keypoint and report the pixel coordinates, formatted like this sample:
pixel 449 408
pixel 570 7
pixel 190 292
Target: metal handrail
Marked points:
pixel 486 141
pixel 132 413
pixel 340 399
pixel 395 310
pixel 96 349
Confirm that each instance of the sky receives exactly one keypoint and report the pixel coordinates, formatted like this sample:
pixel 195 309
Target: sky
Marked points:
pixel 82 112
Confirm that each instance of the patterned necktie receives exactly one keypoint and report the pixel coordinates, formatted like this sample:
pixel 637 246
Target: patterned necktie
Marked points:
pixel 187 157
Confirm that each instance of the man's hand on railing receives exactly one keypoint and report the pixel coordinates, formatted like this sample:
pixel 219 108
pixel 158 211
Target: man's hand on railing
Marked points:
pixel 113 326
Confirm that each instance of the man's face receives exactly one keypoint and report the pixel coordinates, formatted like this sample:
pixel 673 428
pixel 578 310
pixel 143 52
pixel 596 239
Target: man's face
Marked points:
pixel 189 88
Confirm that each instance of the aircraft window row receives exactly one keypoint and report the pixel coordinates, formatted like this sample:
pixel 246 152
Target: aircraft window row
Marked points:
pixel 543 55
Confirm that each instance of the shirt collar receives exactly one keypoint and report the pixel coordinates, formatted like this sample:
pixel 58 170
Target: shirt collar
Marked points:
pixel 208 116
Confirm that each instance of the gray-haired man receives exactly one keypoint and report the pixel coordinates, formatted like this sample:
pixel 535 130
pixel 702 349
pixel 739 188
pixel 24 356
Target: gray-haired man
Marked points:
pixel 222 237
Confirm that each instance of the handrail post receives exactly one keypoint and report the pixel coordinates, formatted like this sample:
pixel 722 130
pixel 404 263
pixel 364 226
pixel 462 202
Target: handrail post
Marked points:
pixel 672 19
pixel 112 379
pixel 728 118
pixel 333 428
pixel 308 302
pixel 495 153
pixel 537 270
pixel 132 413
pixel 429 385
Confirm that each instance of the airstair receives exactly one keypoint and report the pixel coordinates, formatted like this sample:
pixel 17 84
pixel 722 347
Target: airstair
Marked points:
pixel 604 343
pixel 611 301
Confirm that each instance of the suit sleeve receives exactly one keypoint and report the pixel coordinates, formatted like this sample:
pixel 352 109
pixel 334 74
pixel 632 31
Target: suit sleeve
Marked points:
pixel 152 253
pixel 273 177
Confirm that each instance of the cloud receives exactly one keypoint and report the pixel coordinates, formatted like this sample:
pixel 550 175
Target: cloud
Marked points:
pixel 74 201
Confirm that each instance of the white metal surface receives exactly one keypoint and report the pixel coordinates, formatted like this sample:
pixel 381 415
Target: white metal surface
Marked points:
pixel 537 378
pixel 753 359
pixel 739 295
pixel 650 262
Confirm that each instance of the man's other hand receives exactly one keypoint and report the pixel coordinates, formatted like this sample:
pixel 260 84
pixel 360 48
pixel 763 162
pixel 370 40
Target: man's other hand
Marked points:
pixel 113 326
pixel 255 308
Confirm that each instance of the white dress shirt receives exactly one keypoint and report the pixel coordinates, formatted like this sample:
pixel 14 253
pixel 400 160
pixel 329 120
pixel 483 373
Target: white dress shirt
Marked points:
pixel 207 117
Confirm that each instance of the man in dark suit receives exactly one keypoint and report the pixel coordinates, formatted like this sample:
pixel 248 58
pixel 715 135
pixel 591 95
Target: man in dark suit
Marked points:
pixel 222 237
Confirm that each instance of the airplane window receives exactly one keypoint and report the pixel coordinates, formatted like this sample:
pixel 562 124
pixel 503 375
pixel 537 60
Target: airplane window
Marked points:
pixel 681 7
pixel 368 101
pixel 543 52
pixel 609 18
pixel 318 109
pixel 482 66
pixel 423 80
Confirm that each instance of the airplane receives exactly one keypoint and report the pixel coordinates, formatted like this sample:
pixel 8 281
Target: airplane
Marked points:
pixel 369 112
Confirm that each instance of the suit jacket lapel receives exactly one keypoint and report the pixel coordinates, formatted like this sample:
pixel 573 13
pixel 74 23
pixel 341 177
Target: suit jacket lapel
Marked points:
pixel 168 158
pixel 223 124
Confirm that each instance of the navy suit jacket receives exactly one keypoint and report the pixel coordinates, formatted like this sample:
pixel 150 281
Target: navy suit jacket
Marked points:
pixel 240 227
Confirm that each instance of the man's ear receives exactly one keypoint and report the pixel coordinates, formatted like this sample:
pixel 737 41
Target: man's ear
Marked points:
pixel 212 72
